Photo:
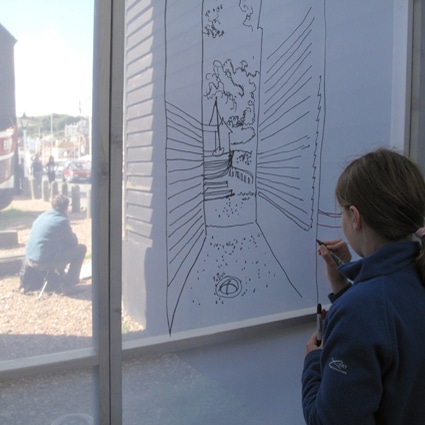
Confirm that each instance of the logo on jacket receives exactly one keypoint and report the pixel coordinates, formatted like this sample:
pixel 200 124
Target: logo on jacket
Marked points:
pixel 339 366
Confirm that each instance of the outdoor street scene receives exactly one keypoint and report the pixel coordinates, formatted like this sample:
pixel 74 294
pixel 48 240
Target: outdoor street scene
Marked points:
pixel 41 157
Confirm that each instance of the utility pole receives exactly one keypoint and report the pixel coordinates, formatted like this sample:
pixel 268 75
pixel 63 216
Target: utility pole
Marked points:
pixel 51 134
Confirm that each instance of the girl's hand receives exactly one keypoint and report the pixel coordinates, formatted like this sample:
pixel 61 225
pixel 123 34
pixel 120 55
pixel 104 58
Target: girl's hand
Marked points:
pixel 312 344
pixel 339 248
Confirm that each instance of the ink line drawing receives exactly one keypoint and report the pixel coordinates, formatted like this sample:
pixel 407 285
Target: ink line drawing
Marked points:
pixel 254 148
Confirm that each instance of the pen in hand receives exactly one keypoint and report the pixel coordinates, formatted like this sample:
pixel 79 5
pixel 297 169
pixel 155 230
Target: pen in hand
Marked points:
pixel 337 260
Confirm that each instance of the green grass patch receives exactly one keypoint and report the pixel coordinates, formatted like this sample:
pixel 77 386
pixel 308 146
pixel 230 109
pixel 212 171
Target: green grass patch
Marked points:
pixel 15 219
pixel 12 213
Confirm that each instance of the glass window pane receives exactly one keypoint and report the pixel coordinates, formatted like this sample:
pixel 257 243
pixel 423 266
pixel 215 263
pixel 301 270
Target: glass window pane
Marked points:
pixel 42 400
pixel 46 51
pixel 36 322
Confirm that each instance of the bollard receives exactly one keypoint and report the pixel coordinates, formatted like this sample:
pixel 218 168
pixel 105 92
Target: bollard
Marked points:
pixel 54 189
pixel 36 189
pixel 32 187
pixel 75 196
pixel 64 189
pixel 46 191
pixel 26 188
pixel 88 213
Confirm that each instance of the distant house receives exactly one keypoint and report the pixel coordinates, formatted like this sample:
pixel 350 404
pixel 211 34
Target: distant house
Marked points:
pixel 7 80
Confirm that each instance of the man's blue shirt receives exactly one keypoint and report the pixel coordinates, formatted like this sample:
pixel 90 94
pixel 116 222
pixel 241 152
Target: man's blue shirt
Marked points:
pixel 51 235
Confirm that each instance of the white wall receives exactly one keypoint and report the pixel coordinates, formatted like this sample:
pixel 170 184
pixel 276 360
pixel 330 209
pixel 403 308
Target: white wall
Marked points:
pixel 254 380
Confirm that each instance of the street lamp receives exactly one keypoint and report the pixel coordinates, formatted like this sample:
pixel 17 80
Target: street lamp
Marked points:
pixel 24 125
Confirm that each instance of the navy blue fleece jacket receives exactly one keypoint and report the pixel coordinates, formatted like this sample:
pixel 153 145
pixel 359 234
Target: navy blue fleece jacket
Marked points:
pixel 372 366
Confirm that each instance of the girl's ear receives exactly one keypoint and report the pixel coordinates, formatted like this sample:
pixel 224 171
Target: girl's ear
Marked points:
pixel 356 218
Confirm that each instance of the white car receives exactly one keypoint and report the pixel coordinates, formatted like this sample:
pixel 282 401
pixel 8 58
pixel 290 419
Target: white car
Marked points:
pixel 60 165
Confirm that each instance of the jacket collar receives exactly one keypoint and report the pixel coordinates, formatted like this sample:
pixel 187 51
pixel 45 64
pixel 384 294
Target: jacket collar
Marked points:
pixel 389 259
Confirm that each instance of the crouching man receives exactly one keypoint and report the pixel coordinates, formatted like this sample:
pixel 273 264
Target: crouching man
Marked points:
pixel 52 245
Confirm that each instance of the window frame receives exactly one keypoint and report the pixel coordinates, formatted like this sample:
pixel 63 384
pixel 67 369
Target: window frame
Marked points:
pixel 108 89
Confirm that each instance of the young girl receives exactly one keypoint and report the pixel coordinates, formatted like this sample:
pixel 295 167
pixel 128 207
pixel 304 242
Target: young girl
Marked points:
pixel 370 368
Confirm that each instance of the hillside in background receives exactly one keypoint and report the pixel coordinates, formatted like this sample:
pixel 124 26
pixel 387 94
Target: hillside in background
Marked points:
pixel 45 124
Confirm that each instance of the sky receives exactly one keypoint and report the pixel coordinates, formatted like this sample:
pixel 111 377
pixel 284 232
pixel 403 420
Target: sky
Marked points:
pixel 53 54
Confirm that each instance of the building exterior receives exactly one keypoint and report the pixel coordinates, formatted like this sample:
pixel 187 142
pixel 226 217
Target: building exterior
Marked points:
pixel 7 80
pixel 8 130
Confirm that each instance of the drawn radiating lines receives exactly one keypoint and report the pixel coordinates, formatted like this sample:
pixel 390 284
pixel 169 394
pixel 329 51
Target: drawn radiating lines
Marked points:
pixel 185 212
pixel 289 127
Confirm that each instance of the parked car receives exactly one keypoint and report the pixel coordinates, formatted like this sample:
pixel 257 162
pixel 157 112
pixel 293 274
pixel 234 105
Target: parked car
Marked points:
pixel 60 166
pixel 77 171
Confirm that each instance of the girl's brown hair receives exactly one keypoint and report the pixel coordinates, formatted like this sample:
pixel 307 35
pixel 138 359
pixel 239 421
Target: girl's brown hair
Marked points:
pixel 389 191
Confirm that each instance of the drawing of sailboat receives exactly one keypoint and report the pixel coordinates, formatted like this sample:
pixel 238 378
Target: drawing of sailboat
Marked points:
pixel 218 156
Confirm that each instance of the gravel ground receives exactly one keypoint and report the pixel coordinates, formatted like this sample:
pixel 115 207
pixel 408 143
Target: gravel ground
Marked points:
pixel 57 321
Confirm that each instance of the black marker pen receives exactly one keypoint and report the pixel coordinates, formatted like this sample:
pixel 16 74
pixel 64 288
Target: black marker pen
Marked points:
pixel 319 324
pixel 334 256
